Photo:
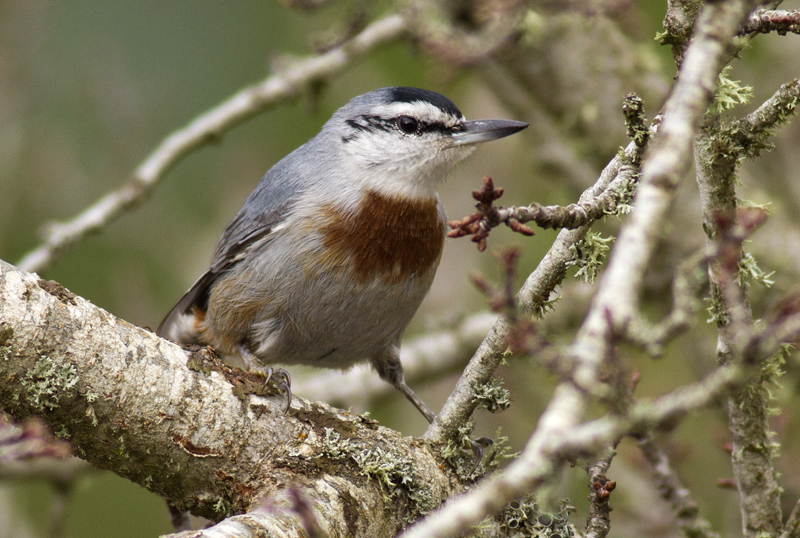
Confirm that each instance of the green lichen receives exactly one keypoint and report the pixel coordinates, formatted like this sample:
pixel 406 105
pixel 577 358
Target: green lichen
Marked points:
pixel 47 382
pixel 6 334
pixel 717 313
pixel 92 415
pixel 458 453
pixel 730 93
pixel 749 270
pixel 501 451
pixel 533 28
pixel 334 446
pixel 540 308
pixel 389 469
pixel 492 396
pixel 622 205
pixel 773 366
pixel 222 507
pixel 392 470
pixel 589 255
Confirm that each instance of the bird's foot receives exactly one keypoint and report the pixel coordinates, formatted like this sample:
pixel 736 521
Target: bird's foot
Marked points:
pixel 478 446
pixel 282 378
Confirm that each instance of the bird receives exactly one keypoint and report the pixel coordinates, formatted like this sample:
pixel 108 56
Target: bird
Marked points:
pixel 332 253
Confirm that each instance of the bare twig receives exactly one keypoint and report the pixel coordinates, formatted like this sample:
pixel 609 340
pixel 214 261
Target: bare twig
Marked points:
pixel 598 523
pixel 689 277
pixel 674 492
pixel 204 129
pixel 573 216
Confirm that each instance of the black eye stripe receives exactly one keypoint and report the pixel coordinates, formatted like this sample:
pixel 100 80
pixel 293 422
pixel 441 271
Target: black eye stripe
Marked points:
pixel 378 123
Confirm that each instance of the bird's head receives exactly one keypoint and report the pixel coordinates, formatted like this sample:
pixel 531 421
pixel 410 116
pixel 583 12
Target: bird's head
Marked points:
pixel 403 141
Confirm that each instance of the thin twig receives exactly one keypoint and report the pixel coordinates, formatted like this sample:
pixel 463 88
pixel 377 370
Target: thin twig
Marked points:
pixel 674 492
pixel 598 523
pixel 792 527
pixel 780 21
pixel 206 128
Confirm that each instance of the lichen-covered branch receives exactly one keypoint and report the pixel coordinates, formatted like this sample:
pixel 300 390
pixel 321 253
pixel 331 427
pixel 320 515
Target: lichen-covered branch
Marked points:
pixel 211 439
pixel 207 128
pixel 717 154
pixel 751 134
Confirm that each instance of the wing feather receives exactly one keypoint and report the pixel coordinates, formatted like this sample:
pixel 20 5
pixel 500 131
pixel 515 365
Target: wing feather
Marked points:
pixel 265 208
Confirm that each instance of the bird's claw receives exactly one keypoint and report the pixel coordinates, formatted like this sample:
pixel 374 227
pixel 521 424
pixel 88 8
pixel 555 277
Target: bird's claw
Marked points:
pixel 282 379
pixel 284 382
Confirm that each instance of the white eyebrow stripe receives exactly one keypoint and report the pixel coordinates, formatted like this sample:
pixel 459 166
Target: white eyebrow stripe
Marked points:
pixel 421 110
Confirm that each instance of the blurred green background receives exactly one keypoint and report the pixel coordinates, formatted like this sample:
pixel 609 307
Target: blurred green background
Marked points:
pixel 89 88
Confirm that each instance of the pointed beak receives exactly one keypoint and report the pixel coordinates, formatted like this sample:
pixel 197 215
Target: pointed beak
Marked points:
pixel 479 131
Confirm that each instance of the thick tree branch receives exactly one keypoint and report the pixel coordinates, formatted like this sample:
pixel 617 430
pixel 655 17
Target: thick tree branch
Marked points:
pixel 206 128
pixel 211 439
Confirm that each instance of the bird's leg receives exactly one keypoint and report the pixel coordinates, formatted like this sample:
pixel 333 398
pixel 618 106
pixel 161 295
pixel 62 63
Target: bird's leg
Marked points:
pixel 389 369
pixel 284 380
pixel 414 399
pixel 388 366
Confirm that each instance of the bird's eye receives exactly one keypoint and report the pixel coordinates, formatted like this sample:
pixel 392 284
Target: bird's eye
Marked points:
pixel 407 124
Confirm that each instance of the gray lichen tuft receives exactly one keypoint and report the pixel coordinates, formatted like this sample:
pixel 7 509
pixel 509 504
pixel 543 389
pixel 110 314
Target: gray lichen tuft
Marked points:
pixel 46 383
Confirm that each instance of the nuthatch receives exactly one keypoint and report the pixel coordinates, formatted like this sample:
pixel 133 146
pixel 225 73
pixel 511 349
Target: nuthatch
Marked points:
pixel 332 253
